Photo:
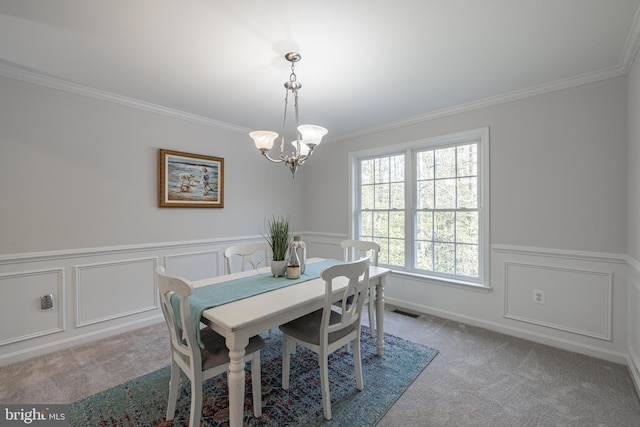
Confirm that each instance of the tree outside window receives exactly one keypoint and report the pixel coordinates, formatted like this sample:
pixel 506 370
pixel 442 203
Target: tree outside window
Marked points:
pixel 423 206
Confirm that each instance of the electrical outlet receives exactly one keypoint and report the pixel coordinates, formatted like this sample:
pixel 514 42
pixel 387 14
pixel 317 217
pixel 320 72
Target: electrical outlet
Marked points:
pixel 46 302
pixel 538 297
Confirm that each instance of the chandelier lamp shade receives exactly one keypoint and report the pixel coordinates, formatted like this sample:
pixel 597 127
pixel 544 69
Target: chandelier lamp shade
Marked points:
pixel 306 137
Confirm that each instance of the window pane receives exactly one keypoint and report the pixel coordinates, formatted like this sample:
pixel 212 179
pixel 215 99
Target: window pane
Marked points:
pixel 366 197
pixel 445 160
pixel 366 172
pixel 467 259
pixel 468 160
pixel 467 193
pixel 383 256
pixel 366 223
pixel 397 196
pixel 397 168
pixel 424 225
pixel 381 224
pixel 382 170
pixel 396 252
pixel 425 195
pixel 446 194
pixel 382 196
pixel 396 225
pixel 467 227
pixel 424 255
pixel 444 226
pixel 443 210
pixel 424 164
pixel 444 257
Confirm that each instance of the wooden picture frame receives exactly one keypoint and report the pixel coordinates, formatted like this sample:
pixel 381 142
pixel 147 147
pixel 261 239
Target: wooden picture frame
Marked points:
pixel 188 180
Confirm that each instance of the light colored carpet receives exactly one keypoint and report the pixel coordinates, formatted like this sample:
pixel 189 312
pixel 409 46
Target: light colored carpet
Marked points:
pixel 143 401
pixel 480 378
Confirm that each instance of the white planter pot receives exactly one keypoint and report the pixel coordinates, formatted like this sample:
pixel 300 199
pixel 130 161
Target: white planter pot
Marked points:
pixel 278 268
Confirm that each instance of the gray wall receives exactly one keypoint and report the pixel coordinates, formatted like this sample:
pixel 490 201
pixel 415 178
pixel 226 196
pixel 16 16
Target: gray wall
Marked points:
pixel 76 172
pixel 558 217
pixel 633 228
pixel 79 173
pixel 558 168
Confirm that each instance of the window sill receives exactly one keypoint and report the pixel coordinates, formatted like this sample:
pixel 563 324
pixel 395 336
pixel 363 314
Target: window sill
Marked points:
pixel 470 286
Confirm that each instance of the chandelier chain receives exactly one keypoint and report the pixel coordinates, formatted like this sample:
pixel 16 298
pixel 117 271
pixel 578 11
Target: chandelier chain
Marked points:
pixel 306 137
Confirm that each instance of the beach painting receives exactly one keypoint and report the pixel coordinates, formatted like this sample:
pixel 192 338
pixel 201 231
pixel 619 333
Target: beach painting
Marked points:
pixel 190 180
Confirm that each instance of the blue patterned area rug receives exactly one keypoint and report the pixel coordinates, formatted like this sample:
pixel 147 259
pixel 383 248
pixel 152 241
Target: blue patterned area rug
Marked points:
pixel 143 401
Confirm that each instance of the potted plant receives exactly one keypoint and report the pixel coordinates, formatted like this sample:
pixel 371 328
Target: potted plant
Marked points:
pixel 278 235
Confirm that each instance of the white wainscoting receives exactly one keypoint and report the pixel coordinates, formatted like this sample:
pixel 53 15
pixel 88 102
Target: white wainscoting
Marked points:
pixel 634 322
pixel 324 245
pixel 26 304
pixel 97 292
pixel 585 306
pixel 110 290
pixel 542 295
pixel 195 265
pixel 106 291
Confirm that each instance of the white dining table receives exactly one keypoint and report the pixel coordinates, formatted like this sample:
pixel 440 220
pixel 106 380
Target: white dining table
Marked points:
pixel 239 320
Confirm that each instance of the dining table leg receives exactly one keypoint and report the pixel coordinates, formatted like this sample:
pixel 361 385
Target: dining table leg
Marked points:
pixel 236 344
pixel 380 315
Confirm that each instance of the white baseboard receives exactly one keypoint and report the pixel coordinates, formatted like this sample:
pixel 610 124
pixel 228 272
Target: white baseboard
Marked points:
pixel 515 332
pixel 633 363
pixel 39 350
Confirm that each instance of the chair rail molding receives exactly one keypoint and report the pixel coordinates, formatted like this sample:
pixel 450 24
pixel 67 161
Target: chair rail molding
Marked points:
pixel 97 292
pixel 561 253
pixel 49 331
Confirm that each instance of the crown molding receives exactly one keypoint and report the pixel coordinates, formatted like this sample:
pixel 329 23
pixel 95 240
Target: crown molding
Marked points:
pixel 632 44
pixel 557 85
pixel 629 53
pixel 630 50
pixel 18 73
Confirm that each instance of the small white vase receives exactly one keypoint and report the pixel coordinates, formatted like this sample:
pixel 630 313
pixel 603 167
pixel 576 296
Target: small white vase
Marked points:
pixel 278 268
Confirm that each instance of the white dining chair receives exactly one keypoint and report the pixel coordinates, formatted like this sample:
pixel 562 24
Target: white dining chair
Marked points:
pixel 325 330
pixel 356 249
pixel 249 255
pixel 199 364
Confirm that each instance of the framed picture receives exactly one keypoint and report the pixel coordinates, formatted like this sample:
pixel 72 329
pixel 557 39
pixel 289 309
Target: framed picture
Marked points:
pixel 190 180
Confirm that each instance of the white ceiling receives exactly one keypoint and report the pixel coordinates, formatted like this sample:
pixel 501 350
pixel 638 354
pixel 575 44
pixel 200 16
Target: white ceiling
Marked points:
pixel 365 64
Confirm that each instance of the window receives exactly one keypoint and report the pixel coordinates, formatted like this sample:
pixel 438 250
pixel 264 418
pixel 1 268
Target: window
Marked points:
pixel 426 205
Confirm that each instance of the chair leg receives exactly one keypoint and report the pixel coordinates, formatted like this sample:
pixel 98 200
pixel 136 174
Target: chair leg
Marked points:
pixel 357 363
pixel 286 361
pixel 323 361
pixel 196 399
pixel 174 387
pixel 372 314
pixel 256 386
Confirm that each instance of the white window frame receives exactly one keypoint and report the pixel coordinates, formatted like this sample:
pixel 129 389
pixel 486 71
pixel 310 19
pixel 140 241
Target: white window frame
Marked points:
pixel 481 136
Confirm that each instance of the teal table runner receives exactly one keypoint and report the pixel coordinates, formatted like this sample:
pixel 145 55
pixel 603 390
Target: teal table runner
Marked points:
pixel 209 296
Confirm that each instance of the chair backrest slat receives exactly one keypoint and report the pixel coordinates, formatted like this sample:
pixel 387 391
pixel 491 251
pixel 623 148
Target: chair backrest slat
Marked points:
pixel 250 254
pixel 183 339
pixel 356 249
pixel 357 275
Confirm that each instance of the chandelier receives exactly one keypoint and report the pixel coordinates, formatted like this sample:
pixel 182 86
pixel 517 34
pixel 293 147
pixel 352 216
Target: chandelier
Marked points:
pixel 307 137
